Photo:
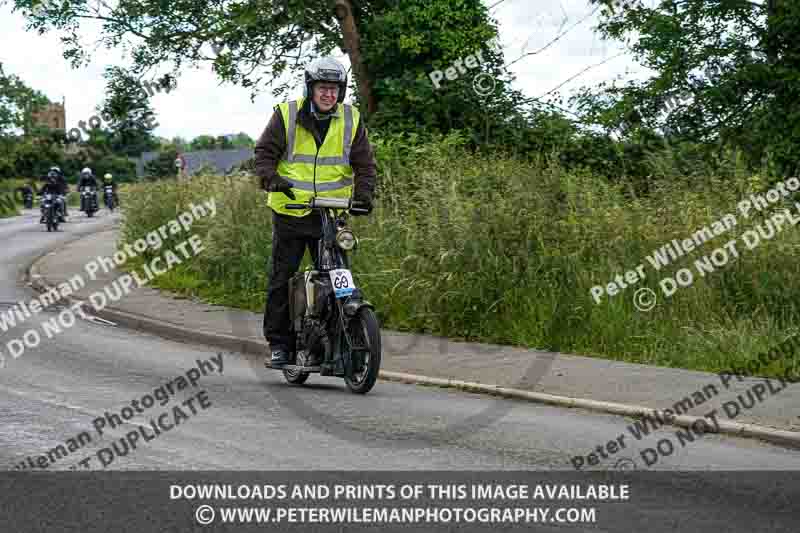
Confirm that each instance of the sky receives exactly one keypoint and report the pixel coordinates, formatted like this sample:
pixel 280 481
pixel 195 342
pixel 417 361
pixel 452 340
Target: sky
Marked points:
pixel 202 105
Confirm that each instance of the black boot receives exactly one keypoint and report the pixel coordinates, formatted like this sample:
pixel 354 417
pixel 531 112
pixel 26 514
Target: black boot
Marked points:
pixel 278 358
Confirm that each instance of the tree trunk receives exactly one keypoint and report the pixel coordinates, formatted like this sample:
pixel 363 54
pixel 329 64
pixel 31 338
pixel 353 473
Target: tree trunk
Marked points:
pixel 772 33
pixel 344 13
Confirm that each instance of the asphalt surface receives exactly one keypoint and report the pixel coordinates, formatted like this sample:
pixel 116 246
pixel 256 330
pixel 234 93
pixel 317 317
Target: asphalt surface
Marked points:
pixel 254 421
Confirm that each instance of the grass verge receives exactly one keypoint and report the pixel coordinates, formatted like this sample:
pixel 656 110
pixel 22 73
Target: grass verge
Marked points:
pixel 497 250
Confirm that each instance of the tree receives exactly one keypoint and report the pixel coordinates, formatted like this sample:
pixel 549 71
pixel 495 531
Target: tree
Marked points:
pixel 17 100
pixel 126 110
pixel 249 42
pixel 222 142
pixel 25 149
pixel 163 166
pixel 203 142
pixel 180 144
pixel 254 43
pixel 122 168
pixel 243 140
pixel 394 47
pixel 728 69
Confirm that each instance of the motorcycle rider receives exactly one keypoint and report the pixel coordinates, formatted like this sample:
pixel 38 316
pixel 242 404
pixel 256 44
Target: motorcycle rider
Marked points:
pixel 51 186
pixel 87 179
pixel 331 156
pixel 63 190
pixel 108 179
pixel 60 190
pixel 24 192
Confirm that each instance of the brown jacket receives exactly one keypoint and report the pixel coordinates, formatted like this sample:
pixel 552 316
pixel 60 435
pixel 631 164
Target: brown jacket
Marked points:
pixel 271 148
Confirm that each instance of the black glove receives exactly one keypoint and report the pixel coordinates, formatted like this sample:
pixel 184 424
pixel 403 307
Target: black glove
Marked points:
pixel 281 185
pixel 362 203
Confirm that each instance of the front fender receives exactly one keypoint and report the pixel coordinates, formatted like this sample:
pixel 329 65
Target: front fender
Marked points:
pixel 351 307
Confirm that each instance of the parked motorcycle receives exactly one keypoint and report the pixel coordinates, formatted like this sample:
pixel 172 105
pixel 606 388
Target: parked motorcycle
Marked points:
pixel 51 206
pixel 108 197
pixel 89 201
pixel 335 330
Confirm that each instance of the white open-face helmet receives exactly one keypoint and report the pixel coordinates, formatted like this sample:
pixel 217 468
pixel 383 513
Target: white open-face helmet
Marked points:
pixel 86 171
pixel 326 69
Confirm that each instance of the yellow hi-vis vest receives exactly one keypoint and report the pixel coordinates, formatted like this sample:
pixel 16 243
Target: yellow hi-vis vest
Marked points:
pixel 328 172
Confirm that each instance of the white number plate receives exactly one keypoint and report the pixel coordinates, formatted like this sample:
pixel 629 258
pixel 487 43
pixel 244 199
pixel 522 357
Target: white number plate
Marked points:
pixel 342 281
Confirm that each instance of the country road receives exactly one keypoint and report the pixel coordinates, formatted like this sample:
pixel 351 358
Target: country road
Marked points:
pixel 249 419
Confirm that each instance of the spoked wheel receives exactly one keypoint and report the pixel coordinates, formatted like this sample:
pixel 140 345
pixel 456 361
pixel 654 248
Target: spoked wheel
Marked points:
pixel 365 336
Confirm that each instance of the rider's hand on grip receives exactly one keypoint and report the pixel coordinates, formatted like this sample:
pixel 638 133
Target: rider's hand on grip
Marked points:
pixel 281 185
pixel 361 206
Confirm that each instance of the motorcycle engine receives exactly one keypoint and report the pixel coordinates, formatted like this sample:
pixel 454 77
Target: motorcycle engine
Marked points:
pixel 314 341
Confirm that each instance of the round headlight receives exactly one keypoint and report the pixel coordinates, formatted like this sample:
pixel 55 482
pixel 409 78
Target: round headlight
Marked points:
pixel 345 239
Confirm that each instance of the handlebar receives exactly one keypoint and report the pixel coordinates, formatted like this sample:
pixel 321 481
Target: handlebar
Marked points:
pixel 321 203
pixel 334 203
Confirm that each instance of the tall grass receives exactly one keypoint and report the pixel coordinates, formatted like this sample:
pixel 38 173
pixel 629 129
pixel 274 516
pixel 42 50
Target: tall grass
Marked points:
pixel 495 249
pixel 10 203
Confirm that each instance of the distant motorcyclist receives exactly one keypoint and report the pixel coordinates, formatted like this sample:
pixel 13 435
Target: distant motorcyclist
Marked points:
pixel 26 194
pixel 88 183
pixel 108 180
pixel 51 186
pixel 87 179
pixel 63 190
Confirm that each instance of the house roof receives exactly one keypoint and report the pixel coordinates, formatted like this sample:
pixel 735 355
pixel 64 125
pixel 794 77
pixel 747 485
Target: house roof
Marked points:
pixel 222 160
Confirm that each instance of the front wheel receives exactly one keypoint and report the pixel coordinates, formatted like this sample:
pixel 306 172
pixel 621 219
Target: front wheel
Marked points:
pixel 365 335
pixel 52 219
pixel 295 377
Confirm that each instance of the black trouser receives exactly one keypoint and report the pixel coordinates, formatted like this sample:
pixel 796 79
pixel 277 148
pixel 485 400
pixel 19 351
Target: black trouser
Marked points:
pixel 290 238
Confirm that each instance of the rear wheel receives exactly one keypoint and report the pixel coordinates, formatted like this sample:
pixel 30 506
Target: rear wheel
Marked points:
pixel 365 335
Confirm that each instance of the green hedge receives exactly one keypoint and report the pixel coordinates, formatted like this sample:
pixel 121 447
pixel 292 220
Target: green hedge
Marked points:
pixel 490 248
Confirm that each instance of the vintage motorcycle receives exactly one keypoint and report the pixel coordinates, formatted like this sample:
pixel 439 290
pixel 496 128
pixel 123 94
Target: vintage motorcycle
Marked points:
pixel 108 197
pixel 89 201
pixel 335 330
pixel 51 209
